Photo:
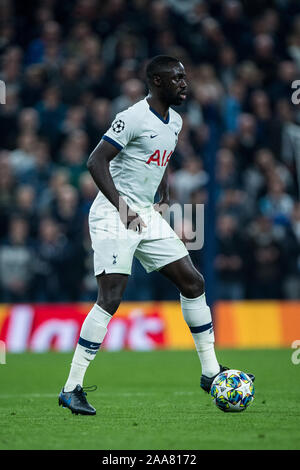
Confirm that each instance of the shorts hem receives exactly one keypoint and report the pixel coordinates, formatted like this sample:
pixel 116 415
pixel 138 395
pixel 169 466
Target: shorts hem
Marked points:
pixel 171 260
pixel 112 271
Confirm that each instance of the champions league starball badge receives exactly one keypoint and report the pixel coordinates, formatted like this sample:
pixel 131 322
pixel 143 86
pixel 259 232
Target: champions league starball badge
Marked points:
pixel 118 126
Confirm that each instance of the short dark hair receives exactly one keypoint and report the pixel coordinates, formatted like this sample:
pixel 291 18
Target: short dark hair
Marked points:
pixel 157 64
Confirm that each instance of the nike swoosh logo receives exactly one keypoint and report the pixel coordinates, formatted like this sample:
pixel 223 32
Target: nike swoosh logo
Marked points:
pixel 152 136
pixel 67 402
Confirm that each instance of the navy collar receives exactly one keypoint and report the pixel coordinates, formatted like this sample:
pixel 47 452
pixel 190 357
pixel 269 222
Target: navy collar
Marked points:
pixel 165 121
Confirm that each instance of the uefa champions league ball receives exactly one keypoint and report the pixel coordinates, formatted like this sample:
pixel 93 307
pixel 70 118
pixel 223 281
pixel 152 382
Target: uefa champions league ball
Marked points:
pixel 232 390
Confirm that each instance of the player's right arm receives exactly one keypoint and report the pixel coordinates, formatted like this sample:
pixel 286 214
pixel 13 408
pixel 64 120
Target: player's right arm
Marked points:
pixel 98 166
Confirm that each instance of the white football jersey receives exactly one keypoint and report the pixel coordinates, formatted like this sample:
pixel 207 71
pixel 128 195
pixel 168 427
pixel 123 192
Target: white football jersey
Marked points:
pixel 146 142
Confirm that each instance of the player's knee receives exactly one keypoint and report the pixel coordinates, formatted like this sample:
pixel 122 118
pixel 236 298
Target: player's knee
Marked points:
pixel 194 287
pixel 109 304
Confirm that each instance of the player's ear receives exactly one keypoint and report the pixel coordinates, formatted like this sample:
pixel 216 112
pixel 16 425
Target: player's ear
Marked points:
pixel 156 80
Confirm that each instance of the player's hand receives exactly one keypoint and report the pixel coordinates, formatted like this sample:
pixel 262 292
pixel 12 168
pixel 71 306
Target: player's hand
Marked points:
pixel 131 220
pixel 135 223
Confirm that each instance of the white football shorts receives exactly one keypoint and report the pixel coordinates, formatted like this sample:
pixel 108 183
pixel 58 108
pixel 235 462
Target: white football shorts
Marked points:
pixel 114 246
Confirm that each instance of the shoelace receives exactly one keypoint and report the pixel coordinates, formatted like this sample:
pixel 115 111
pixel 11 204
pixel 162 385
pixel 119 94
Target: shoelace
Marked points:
pixel 91 388
pixel 82 393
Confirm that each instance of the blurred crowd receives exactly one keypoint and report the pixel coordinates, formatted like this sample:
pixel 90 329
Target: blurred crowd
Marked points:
pixel 69 66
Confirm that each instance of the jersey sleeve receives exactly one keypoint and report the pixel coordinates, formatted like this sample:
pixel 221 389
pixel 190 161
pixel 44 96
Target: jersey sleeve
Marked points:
pixel 179 123
pixel 123 129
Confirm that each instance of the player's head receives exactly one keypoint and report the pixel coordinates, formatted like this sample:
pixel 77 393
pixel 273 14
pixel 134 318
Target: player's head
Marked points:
pixel 166 79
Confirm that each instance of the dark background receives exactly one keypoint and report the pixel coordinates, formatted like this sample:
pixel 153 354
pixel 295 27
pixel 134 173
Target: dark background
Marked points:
pixel 70 66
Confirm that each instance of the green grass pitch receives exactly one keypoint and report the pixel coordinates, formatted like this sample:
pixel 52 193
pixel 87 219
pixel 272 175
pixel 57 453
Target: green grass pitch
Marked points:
pixel 148 400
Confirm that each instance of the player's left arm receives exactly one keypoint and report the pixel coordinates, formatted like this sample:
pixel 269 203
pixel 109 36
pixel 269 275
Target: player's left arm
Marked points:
pixel 163 192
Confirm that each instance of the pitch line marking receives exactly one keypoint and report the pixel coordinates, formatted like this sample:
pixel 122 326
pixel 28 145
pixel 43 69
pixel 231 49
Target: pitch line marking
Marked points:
pixel 120 394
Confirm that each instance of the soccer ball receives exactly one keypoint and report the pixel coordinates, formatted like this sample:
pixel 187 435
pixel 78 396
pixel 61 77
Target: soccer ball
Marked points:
pixel 232 390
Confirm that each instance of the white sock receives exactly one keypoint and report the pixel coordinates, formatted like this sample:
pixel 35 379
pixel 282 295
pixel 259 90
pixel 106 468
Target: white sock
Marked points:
pixel 198 318
pixel 92 334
